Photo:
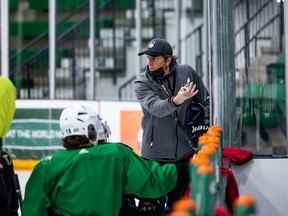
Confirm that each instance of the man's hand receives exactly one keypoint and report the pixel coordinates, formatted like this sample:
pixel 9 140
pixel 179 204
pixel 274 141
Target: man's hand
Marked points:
pixel 187 91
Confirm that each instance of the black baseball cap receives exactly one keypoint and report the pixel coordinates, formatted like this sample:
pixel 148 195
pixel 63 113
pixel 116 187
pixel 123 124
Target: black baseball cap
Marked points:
pixel 157 47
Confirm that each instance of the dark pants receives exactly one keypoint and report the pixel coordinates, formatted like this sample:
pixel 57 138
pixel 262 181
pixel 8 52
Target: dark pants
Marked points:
pixel 128 206
pixel 9 186
pixel 164 205
pixel 183 182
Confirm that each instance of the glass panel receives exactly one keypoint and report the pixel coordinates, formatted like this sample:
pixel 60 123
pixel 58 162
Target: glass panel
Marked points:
pixel 72 52
pixel 260 76
pixel 28 38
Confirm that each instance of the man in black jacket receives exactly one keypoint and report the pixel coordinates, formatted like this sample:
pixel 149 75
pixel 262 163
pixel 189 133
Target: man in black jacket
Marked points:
pixel 175 104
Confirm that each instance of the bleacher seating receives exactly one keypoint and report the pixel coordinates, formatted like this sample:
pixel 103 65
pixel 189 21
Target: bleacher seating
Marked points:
pixel 13 5
pixel 70 5
pixel 32 57
pixel 99 24
pixel 26 54
pixel 28 29
pixel 266 98
pixel 63 5
pixel 251 97
pixel 273 98
pixel 32 29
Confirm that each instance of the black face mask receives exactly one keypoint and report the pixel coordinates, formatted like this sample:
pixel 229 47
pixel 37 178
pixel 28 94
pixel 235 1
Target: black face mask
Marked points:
pixel 157 75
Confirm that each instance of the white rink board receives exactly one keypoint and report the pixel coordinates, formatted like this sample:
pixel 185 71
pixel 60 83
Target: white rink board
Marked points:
pixel 266 180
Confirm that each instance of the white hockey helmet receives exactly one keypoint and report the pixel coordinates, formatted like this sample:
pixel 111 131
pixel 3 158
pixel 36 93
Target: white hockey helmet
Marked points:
pixel 83 120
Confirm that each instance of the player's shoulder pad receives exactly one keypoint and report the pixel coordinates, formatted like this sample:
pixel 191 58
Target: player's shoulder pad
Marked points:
pixel 119 144
pixel 126 146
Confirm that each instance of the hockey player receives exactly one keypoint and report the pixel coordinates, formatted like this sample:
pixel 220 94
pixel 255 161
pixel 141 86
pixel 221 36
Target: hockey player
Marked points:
pixel 91 176
pixel 7 105
pixel 9 186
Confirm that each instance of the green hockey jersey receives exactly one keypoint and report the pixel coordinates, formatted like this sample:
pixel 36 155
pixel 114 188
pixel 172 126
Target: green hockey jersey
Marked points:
pixel 91 181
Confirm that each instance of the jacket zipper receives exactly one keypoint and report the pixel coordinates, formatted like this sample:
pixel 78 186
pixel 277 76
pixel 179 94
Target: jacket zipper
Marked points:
pixel 176 150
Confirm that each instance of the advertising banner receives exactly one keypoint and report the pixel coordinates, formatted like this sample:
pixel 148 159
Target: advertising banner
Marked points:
pixel 34 133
